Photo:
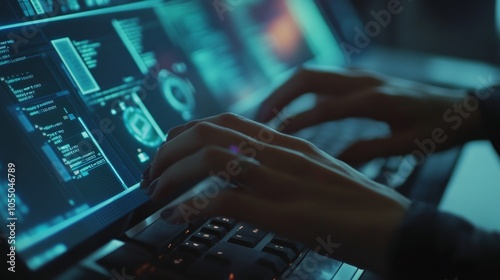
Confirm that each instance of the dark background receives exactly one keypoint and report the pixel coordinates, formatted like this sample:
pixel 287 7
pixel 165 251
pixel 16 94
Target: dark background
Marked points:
pixel 465 29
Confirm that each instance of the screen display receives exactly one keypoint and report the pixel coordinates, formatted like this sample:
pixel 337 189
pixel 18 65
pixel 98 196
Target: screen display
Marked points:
pixel 89 90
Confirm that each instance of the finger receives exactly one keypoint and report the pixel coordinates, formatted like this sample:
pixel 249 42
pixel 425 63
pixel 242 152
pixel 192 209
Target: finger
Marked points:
pixel 366 104
pixel 206 134
pixel 228 120
pixel 315 81
pixel 305 119
pixel 146 174
pixel 223 168
pixel 264 134
pixel 250 128
pixel 400 143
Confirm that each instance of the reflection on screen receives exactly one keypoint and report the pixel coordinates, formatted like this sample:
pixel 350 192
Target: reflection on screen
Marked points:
pixel 242 54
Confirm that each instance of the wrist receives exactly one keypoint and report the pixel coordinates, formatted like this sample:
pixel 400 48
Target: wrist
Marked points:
pixel 473 124
pixel 489 104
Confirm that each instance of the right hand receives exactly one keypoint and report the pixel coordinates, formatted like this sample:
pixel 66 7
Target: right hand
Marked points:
pixel 412 110
pixel 284 184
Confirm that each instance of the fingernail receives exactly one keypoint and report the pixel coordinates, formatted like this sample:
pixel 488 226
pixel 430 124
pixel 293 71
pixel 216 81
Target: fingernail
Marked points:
pixel 152 187
pixel 146 174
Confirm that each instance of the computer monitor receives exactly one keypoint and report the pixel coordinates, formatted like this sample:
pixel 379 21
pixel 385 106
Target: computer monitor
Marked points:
pixel 88 91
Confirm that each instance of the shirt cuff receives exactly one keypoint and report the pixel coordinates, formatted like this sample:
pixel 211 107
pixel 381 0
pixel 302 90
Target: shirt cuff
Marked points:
pixel 489 105
pixel 430 244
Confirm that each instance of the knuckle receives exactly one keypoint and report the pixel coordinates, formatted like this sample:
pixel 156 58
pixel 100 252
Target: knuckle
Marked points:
pixel 189 124
pixel 228 118
pixel 304 145
pixel 203 129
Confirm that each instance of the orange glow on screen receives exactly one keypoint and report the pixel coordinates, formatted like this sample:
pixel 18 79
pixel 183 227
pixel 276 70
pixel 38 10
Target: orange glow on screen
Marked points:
pixel 284 35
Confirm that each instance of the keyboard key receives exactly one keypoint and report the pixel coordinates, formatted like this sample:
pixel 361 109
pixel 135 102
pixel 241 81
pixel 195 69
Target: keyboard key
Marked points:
pixel 129 256
pixel 229 261
pixel 315 266
pixel 192 247
pixel 211 269
pixel 256 271
pixel 232 253
pixel 161 234
pixel 179 260
pixel 82 273
pixel 275 263
pixel 215 230
pixel 219 255
pixel 285 242
pixel 226 223
pixel 287 254
pixel 217 263
pixel 223 251
pixel 346 271
pixel 205 238
pixel 244 240
pixel 252 231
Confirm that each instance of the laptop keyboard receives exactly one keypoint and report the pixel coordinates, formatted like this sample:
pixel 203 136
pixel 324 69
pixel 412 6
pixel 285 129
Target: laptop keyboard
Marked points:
pixel 219 248
pixel 334 137
pixel 223 248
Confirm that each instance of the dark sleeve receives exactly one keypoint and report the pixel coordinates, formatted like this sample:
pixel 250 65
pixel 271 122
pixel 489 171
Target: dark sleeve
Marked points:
pixel 434 245
pixel 489 105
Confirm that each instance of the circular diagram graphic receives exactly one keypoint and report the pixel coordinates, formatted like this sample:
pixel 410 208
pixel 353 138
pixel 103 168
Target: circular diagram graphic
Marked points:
pixel 140 128
pixel 178 92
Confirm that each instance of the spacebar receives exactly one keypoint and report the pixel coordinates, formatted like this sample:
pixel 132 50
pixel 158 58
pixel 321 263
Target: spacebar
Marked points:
pixel 160 234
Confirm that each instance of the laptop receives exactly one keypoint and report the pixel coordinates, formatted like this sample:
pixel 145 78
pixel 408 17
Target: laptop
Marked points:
pixel 89 90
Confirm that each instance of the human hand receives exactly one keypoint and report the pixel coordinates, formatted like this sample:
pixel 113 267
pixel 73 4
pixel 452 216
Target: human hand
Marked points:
pixel 284 184
pixel 421 117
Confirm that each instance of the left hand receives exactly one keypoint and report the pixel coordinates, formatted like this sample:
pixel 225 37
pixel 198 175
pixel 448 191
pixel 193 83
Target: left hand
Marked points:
pixel 285 185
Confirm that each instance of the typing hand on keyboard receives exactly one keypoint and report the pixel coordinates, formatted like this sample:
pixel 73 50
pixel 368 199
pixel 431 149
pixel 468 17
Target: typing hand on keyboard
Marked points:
pixel 422 118
pixel 277 182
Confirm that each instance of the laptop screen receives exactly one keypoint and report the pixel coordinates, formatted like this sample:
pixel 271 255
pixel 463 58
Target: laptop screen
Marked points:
pixel 89 91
